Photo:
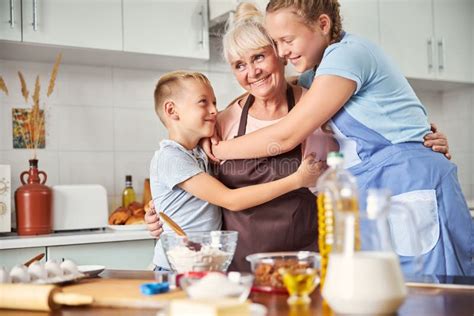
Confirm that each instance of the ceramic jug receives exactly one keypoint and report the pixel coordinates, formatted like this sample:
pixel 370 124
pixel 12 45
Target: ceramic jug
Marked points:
pixel 33 202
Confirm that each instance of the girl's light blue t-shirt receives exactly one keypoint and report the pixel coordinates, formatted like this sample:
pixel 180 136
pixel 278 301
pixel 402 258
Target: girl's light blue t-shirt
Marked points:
pixel 383 100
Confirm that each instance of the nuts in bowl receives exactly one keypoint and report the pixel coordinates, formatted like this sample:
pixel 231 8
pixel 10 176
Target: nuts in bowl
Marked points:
pixel 267 267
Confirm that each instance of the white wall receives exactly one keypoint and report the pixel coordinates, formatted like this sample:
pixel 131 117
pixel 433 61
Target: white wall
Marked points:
pixel 101 123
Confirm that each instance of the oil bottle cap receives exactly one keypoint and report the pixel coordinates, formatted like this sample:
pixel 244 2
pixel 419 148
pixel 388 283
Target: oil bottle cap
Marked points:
pixel 128 178
pixel 335 158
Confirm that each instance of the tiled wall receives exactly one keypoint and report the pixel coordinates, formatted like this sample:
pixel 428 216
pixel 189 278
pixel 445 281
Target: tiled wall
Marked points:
pixel 101 124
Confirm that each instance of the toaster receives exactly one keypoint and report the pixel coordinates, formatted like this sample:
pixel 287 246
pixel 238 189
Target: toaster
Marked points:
pixel 82 206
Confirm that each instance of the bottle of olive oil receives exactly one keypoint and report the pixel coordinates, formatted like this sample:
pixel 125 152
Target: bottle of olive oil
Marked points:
pixel 337 199
pixel 128 194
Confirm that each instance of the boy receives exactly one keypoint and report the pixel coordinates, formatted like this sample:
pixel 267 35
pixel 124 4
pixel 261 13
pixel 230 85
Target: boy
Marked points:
pixel 179 172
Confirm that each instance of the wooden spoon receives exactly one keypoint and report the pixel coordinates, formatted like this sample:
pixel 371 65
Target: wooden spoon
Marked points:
pixel 171 223
pixel 180 232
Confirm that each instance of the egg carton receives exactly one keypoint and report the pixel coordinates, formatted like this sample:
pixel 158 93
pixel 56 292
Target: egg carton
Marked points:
pixel 50 272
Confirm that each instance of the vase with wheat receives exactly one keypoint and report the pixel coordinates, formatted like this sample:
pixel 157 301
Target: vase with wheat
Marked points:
pixel 33 199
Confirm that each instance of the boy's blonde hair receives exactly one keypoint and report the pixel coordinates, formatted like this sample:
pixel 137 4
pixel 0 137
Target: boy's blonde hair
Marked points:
pixel 169 85
pixel 310 10
pixel 245 32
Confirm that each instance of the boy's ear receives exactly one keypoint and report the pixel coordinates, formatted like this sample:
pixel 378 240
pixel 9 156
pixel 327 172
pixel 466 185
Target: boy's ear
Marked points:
pixel 171 110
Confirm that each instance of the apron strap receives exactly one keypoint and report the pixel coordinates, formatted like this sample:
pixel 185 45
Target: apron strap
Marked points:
pixel 290 99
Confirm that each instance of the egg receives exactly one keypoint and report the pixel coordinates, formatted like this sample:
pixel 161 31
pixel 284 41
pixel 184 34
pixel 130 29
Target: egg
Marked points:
pixel 37 271
pixel 19 274
pixel 69 267
pixel 4 276
pixel 53 269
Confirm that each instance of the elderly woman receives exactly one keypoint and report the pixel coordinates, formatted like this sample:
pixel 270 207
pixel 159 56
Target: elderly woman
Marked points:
pixel 288 222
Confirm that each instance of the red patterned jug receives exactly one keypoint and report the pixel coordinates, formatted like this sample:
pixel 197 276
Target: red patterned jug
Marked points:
pixel 33 202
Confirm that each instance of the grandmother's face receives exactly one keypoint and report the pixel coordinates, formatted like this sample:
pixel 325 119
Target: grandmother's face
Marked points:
pixel 260 72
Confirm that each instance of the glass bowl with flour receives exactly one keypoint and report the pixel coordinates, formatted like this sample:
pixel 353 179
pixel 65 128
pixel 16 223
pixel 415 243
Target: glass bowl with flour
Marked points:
pixel 200 251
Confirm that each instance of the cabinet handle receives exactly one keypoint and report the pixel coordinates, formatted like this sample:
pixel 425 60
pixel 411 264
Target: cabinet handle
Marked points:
pixel 12 15
pixel 429 51
pixel 203 24
pixel 35 18
pixel 441 54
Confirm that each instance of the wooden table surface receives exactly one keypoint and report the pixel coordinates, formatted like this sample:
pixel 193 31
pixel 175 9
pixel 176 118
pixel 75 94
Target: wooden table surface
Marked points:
pixel 420 301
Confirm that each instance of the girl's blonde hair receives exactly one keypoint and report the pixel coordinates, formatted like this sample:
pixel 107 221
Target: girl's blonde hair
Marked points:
pixel 245 32
pixel 310 10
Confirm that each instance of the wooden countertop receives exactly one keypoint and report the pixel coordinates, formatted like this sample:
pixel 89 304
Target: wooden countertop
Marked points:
pixel 420 301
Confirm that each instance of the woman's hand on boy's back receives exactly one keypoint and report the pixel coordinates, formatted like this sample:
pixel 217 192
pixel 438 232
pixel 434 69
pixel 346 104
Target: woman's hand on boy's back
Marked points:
pixel 310 170
pixel 152 220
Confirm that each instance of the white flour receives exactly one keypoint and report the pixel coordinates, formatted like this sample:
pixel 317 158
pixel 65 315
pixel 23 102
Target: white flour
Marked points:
pixel 182 259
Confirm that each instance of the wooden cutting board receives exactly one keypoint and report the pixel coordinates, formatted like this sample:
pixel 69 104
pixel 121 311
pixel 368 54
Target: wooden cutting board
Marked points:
pixel 121 293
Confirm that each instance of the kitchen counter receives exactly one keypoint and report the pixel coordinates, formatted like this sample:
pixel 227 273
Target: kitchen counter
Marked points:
pixel 71 238
pixel 420 301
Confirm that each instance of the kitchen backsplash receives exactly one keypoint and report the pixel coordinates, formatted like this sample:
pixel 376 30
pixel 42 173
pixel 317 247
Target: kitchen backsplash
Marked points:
pixel 101 123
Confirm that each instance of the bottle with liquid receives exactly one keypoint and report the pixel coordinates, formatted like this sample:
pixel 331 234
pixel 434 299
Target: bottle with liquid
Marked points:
pixel 337 199
pixel 128 194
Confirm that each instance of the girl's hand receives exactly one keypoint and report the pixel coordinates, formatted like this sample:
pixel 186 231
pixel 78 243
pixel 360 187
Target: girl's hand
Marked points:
pixel 310 170
pixel 154 224
pixel 437 141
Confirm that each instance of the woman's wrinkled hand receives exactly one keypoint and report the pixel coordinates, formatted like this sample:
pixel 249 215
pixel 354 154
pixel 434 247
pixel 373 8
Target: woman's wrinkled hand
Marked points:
pixel 437 141
pixel 154 224
pixel 310 170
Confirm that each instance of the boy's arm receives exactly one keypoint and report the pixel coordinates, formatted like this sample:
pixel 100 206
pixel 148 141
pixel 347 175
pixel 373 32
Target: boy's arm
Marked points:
pixel 207 188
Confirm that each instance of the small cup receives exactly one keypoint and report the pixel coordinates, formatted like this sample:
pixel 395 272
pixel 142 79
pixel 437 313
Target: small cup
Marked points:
pixel 300 283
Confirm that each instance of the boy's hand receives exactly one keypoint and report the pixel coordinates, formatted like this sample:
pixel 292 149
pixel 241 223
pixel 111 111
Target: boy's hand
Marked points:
pixel 310 170
pixel 437 141
pixel 207 147
pixel 152 220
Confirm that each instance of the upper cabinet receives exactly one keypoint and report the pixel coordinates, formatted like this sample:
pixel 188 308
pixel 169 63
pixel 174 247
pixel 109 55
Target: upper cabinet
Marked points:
pixel 429 39
pixel 166 27
pixel 10 20
pixel 79 23
pixel 361 17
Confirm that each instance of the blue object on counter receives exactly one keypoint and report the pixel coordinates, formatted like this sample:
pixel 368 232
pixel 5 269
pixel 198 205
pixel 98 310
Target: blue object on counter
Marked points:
pixel 154 288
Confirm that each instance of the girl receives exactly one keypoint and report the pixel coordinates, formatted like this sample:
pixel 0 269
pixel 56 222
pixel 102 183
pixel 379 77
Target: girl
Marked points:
pixel 379 123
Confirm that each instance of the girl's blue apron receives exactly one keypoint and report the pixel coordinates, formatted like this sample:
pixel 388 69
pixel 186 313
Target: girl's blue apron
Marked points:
pixel 424 180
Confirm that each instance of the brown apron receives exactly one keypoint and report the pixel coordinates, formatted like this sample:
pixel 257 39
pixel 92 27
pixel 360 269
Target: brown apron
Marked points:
pixel 286 223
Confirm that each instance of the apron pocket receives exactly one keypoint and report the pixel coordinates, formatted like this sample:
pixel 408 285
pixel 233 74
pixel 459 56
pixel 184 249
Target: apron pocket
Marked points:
pixel 424 207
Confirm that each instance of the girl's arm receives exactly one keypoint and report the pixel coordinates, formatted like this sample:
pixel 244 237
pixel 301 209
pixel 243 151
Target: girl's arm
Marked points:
pixel 327 95
pixel 207 188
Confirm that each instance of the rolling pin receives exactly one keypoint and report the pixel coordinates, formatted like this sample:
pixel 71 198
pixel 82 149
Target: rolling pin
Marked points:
pixel 38 297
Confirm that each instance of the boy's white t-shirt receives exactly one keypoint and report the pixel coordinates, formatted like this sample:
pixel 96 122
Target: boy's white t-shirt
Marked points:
pixel 171 165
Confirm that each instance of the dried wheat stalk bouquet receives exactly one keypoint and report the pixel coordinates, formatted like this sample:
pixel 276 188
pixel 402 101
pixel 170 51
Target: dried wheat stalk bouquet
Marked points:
pixel 35 122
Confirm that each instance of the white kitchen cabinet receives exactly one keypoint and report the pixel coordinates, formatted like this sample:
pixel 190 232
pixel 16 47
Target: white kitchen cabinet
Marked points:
pixel 453 34
pixel 429 39
pixel 361 17
pixel 166 27
pixel 11 257
pixel 130 255
pixel 10 20
pixel 78 23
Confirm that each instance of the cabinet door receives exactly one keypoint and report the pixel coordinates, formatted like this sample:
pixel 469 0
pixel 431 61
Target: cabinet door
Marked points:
pixel 131 255
pixel 80 23
pixel 11 257
pixel 166 27
pixel 406 34
pixel 361 17
pixel 10 20
pixel 453 27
